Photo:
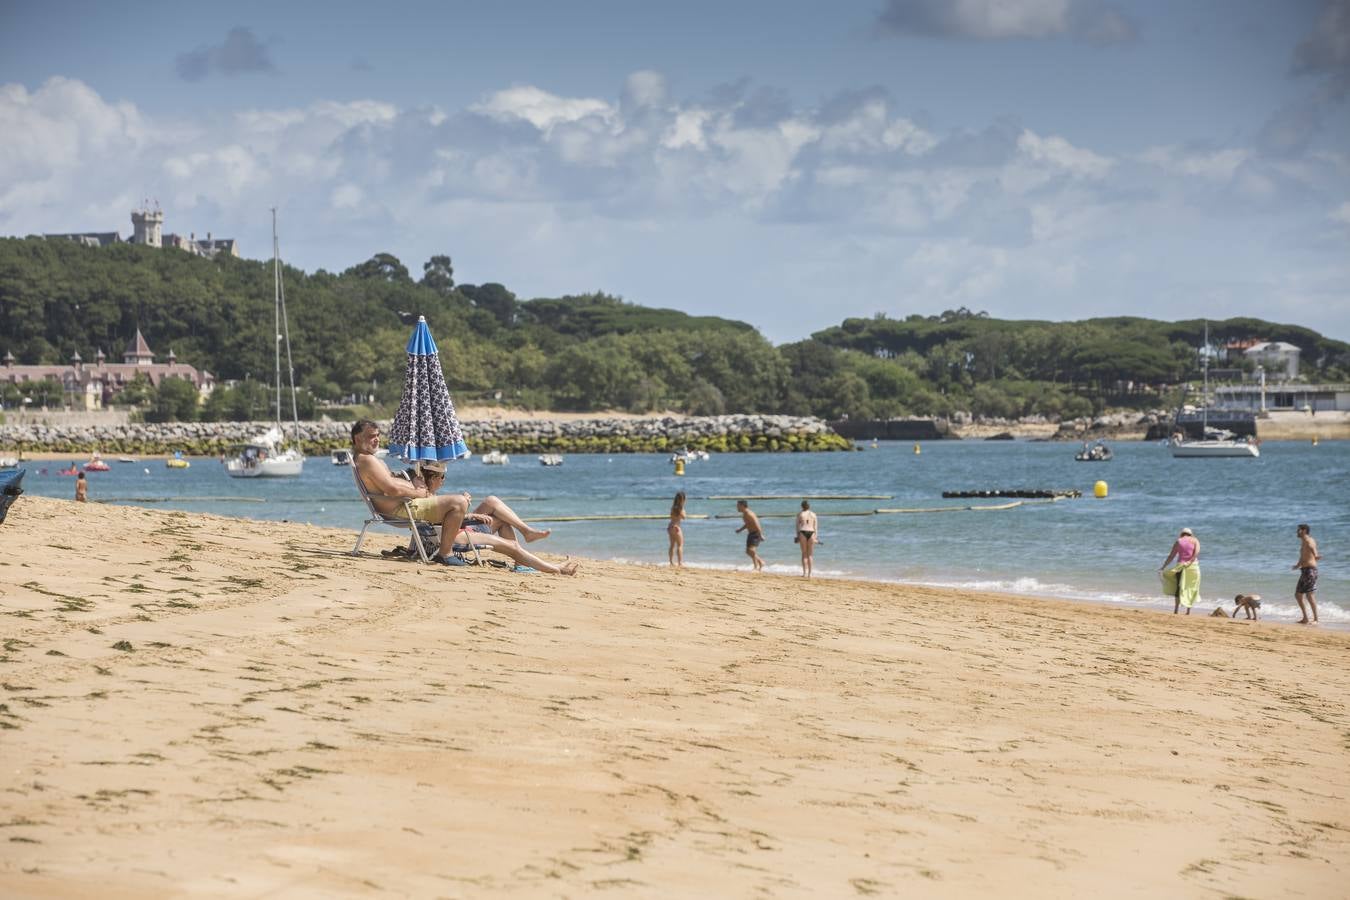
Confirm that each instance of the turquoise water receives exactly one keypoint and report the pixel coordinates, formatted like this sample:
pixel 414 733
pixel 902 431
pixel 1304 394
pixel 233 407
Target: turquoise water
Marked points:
pixel 1243 510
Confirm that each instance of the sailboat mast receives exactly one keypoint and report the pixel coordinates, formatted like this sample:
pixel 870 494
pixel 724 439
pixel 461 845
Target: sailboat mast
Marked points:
pixel 286 336
pixel 276 312
pixel 1204 397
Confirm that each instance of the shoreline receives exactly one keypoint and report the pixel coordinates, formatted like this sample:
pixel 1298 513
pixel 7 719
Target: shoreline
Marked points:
pixel 1079 595
pixel 198 704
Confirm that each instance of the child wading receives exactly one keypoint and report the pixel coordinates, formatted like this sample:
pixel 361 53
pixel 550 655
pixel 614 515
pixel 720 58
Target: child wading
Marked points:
pixel 754 534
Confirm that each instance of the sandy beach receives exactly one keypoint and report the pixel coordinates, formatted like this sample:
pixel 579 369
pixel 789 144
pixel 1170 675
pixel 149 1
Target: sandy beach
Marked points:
pixel 202 706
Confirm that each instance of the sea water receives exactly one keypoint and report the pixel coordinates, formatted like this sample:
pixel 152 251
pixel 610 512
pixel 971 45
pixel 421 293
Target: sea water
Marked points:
pixel 1244 512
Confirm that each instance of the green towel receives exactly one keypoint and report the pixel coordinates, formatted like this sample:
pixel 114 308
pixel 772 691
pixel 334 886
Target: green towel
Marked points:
pixel 1189 576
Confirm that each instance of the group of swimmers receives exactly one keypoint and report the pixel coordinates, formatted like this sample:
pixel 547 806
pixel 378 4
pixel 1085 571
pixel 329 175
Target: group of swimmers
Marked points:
pixel 807 534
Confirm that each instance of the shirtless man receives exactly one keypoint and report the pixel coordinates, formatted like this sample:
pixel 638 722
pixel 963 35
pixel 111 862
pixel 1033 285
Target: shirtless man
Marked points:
pixel 754 535
pixel 1307 580
pixel 388 493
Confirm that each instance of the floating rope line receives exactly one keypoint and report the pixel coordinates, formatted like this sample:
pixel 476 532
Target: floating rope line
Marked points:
pixel 181 500
pixel 800 497
pixel 929 509
pixel 615 518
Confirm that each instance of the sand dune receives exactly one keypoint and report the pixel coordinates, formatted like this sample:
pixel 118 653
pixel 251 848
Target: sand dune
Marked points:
pixel 194 705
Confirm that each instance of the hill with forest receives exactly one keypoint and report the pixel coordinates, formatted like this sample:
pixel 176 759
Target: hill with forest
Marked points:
pixel 585 352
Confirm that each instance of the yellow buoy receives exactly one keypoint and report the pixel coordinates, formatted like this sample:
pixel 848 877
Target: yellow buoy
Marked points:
pixel 679 467
pixel 916 449
pixel 1099 490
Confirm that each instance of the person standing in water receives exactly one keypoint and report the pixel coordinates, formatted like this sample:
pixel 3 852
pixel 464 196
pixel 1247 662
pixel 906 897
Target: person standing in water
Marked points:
pixel 81 488
pixel 675 532
pixel 806 536
pixel 1186 551
pixel 754 534
pixel 1307 579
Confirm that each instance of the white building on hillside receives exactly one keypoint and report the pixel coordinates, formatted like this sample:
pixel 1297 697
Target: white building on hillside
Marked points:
pixel 1279 359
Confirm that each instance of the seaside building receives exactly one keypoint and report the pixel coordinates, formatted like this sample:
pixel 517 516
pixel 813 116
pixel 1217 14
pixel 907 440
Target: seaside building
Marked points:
pixel 1277 357
pixel 147 228
pixel 90 387
pixel 1280 396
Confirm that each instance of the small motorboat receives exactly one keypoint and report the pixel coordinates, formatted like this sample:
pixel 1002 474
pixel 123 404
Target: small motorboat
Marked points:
pixel 130 459
pixel 8 462
pixel 496 458
pixel 1097 452
pixel 342 457
pixel 177 461
pixel 550 459
pixel 684 454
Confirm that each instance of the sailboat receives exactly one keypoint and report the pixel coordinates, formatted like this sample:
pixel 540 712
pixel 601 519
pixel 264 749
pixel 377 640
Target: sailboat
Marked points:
pixel 264 456
pixel 1213 441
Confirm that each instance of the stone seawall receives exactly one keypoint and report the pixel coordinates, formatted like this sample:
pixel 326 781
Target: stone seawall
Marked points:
pixel 716 434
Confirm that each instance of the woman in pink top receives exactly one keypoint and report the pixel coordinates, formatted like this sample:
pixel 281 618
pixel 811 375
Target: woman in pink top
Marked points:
pixel 1186 549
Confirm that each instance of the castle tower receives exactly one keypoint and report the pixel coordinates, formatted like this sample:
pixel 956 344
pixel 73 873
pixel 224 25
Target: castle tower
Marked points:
pixel 147 224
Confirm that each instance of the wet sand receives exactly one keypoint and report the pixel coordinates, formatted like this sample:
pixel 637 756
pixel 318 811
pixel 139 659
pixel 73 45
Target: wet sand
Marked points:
pixel 198 705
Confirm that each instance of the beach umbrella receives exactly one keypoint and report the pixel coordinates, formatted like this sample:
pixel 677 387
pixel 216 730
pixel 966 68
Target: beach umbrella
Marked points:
pixel 425 427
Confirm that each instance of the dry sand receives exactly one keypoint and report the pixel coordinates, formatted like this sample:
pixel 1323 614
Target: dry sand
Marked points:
pixel 202 706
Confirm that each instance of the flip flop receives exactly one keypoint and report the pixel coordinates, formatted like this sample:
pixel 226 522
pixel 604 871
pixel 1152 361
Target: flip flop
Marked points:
pixel 448 560
pixel 525 570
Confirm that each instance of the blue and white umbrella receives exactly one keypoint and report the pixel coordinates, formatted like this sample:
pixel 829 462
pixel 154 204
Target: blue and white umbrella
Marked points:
pixel 426 427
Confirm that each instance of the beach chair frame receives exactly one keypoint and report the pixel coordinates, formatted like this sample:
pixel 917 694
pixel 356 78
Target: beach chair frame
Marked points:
pixel 404 523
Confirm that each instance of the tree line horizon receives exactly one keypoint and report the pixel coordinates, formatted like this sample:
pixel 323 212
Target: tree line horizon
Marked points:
pixel 583 352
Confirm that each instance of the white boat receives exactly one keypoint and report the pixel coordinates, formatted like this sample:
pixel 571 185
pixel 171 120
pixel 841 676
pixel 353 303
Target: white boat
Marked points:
pixel 1213 442
pixel 266 456
pixel 130 459
pixel 8 462
pixel 263 457
pixel 496 458
pixel 1216 442
pixel 341 457
pixel 550 459
pixel 687 455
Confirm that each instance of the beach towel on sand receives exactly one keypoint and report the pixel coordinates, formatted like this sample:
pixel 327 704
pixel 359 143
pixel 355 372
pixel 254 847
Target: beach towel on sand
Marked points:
pixel 1188 576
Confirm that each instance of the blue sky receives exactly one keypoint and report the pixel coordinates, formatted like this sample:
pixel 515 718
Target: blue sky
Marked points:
pixel 787 163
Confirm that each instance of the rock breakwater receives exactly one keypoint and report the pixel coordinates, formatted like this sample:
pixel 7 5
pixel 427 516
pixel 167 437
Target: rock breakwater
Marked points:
pixel 716 434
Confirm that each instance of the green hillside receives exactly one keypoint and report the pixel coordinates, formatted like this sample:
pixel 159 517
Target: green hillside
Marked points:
pixel 585 352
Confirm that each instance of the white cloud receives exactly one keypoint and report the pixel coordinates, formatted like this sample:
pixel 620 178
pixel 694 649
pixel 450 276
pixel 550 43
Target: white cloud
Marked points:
pixel 1060 154
pixel 997 20
pixel 347 196
pixel 540 108
pixel 1216 165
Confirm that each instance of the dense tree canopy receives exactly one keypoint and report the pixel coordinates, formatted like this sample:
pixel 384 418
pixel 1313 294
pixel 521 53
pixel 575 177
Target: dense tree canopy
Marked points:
pixel 585 352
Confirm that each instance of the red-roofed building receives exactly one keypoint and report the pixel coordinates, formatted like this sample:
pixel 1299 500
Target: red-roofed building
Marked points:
pixel 89 387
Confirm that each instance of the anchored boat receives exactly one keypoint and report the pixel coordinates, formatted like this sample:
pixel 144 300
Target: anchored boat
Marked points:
pixel 266 456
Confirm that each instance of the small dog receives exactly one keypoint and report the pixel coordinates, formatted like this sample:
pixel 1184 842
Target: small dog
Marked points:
pixel 1248 603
